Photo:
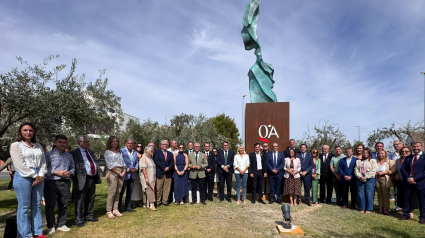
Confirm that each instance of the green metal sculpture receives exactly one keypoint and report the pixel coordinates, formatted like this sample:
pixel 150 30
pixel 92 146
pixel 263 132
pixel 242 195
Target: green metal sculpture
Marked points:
pixel 260 74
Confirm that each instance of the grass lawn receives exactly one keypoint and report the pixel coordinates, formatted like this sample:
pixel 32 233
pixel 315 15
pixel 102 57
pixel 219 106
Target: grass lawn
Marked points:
pixel 225 220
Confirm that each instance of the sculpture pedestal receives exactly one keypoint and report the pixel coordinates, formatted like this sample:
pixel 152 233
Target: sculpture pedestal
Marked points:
pixel 294 231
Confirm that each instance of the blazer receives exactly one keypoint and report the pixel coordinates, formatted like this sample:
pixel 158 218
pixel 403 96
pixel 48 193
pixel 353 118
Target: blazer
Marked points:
pixel 345 170
pixel 241 163
pixel 370 167
pixel 79 178
pixel 211 162
pixel 265 169
pixel 202 161
pixel 280 163
pixel 419 170
pixel 253 163
pixel 391 170
pixel 161 163
pixel 220 161
pixel 318 168
pixel 306 163
pixel 128 164
pixel 297 167
pixel 324 166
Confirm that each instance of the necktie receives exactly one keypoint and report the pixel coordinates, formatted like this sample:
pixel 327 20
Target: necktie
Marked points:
pixel 413 165
pixel 324 161
pixel 225 157
pixel 207 155
pixel 274 160
pixel 165 155
pixel 196 157
pixel 93 171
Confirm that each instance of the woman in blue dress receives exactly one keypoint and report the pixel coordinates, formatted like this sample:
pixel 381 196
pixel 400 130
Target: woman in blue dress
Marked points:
pixel 181 162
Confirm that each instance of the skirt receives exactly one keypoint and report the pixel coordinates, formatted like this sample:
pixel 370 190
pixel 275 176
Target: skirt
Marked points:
pixel 292 186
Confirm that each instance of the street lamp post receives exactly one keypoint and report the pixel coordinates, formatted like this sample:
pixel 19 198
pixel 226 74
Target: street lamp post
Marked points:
pixel 243 119
pixel 424 98
pixel 359 131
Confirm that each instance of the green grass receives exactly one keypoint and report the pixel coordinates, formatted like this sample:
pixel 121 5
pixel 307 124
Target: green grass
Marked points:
pixel 226 220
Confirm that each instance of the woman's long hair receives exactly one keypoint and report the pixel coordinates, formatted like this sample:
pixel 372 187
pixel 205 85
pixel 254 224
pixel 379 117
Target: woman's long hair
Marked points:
pixel 20 137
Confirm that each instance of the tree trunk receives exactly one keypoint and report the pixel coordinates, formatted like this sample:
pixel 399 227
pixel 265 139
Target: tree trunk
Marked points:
pixel 8 161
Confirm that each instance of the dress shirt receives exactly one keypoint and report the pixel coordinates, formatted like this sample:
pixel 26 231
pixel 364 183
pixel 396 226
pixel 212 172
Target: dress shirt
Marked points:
pixel 335 162
pixel 130 154
pixel 114 160
pixel 394 156
pixel 325 157
pixel 87 163
pixel 275 155
pixel 258 157
pixel 224 155
pixel 25 159
pixel 413 160
pixel 55 160
pixel 303 155
pixel 189 152
pixel 241 162
pixel 175 151
pixel 349 161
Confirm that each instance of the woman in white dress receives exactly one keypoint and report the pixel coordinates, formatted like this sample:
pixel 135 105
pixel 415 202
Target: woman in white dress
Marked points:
pixel 137 194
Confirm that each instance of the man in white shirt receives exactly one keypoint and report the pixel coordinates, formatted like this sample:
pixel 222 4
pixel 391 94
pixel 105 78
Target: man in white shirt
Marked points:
pixel 257 171
pixel 173 147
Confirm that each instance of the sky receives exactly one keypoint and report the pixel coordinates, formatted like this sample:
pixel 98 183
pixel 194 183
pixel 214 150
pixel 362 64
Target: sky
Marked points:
pixel 351 63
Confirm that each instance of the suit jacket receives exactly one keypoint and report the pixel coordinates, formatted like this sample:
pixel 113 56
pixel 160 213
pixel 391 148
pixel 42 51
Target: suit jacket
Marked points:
pixel 161 163
pixel 286 152
pixel 253 163
pixel 297 167
pixel 324 166
pixel 220 161
pixel 128 164
pixel 202 161
pixel 79 178
pixel 347 171
pixel 419 170
pixel 265 170
pixel 211 162
pixel 306 163
pixel 280 163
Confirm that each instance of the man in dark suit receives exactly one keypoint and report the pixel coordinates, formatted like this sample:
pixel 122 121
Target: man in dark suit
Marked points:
pixel 413 172
pixel 164 162
pixel 275 164
pixel 225 170
pixel 266 183
pixel 257 171
pixel 85 179
pixel 348 179
pixel 306 167
pixel 325 175
pixel 209 171
pixel 292 145
pixel 132 164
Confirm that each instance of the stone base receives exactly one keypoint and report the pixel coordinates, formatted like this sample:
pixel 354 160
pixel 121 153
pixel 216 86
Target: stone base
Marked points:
pixel 295 231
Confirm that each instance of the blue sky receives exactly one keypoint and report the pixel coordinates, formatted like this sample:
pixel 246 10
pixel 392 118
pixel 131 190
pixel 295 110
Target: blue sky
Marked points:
pixel 349 62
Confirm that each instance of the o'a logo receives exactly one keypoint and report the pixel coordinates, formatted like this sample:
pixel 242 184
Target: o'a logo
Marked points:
pixel 265 132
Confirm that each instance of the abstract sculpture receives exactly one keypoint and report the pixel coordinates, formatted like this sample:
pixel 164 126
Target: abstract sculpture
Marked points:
pixel 260 74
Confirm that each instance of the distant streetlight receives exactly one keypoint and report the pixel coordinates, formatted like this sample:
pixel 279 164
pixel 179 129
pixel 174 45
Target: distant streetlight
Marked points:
pixel 424 98
pixel 243 119
pixel 359 131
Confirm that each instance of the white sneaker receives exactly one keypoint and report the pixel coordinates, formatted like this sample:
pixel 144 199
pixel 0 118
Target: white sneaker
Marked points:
pixel 51 230
pixel 237 202
pixel 64 228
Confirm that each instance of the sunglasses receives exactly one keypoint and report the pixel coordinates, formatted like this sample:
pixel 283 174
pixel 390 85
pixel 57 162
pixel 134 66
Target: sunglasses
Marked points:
pixel 139 146
pixel 314 152
pixel 405 151
pixel 181 147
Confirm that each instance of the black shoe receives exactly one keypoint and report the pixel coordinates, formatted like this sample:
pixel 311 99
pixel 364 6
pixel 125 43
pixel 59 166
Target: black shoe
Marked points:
pixel 210 199
pixel 229 200
pixel 93 219
pixel 158 205
pixel 166 204
pixel 80 224
pixel 253 201
pixel 221 200
pixel 328 203
pixel 130 210
pixel 298 202
pixel 308 204
pixel 403 218
pixel 261 201
pixel 271 202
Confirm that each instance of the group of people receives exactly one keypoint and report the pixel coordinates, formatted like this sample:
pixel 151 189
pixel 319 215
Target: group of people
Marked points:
pixel 151 178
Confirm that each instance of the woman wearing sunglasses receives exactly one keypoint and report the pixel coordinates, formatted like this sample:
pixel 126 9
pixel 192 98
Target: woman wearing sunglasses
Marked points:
pixel 181 162
pixel 414 203
pixel 315 175
pixel 137 194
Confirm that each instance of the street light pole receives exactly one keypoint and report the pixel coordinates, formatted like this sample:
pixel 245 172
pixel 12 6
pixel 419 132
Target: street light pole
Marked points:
pixel 424 98
pixel 243 119
pixel 359 131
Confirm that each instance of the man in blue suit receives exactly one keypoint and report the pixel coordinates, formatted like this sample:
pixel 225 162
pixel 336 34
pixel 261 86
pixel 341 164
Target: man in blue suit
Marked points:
pixel 413 172
pixel 348 179
pixel 164 162
pixel 306 167
pixel 132 164
pixel 225 159
pixel 275 163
